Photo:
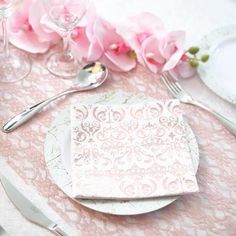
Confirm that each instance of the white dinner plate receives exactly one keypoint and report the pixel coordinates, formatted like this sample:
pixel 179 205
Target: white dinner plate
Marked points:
pixel 57 156
pixel 219 73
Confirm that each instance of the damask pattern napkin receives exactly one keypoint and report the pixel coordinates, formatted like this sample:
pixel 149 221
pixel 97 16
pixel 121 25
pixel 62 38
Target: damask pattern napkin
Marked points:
pixel 130 151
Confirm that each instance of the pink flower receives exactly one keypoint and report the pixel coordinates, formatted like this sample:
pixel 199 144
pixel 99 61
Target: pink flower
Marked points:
pixel 155 48
pixel 184 70
pixel 100 41
pixel 84 45
pixel 4 2
pixel 80 43
pixel 116 51
pixel 40 23
pixel 26 31
pixel 162 54
pixel 138 28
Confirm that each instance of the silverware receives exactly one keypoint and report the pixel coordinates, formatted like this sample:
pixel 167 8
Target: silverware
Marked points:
pixel 90 77
pixel 178 92
pixel 3 232
pixel 28 210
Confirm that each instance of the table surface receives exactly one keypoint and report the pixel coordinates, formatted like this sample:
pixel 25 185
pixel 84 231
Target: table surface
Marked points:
pixel 212 211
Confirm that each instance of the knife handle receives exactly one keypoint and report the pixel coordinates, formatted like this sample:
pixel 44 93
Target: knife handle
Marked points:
pixel 58 231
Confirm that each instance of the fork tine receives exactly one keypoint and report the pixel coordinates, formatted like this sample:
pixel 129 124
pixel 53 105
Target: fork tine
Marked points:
pixel 178 86
pixel 165 81
pixel 174 83
pixel 169 85
pixel 176 89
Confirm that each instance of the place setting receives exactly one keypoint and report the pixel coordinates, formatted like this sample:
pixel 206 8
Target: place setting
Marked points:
pixel 101 139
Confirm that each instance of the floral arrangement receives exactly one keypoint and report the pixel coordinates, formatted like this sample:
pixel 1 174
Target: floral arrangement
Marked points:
pixel 142 39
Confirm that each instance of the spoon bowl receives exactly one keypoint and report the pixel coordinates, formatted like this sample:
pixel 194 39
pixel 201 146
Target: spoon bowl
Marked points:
pixel 90 77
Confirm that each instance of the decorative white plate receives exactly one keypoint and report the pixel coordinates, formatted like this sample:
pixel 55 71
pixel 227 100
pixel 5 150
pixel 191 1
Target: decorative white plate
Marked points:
pixel 57 146
pixel 219 73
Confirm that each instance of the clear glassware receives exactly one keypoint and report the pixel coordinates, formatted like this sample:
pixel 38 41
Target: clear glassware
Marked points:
pixel 14 63
pixel 65 14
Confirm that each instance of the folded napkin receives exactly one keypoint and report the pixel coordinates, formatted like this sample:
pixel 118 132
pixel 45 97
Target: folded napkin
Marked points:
pixel 130 151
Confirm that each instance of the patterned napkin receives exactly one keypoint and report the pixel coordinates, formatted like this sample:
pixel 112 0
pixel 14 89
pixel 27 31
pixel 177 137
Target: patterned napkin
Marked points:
pixel 130 151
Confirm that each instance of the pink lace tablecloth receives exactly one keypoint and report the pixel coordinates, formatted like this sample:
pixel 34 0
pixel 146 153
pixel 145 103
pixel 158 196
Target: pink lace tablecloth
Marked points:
pixel 212 211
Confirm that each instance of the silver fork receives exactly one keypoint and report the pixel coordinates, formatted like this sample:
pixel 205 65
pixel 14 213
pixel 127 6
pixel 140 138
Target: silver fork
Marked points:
pixel 178 92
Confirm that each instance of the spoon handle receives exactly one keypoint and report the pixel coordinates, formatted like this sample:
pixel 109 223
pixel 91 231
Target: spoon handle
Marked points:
pixel 30 112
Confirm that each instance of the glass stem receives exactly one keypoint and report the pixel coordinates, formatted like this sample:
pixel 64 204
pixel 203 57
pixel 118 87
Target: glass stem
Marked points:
pixel 5 38
pixel 66 43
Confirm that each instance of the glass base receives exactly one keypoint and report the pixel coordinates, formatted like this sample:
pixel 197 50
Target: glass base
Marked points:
pixel 15 67
pixel 62 65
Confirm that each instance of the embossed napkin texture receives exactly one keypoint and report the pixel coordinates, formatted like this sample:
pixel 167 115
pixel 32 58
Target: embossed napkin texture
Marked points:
pixel 130 151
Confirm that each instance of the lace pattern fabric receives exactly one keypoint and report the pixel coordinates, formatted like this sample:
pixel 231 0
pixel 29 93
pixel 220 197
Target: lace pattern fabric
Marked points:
pixel 210 212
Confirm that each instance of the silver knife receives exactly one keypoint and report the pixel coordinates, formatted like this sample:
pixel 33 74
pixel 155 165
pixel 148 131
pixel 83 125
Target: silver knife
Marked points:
pixel 28 210
pixel 3 232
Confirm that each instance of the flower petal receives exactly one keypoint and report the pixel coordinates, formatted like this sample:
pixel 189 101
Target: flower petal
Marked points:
pixel 105 33
pixel 151 45
pixel 184 70
pixel 121 62
pixel 174 49
pixel 147 22
pixel 36 19
pixel 29 42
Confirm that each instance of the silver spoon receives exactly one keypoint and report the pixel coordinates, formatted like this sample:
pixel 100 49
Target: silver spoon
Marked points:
pixel 90 77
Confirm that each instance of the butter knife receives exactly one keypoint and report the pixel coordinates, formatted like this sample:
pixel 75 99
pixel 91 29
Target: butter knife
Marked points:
pixel 3 232
pixel 28 210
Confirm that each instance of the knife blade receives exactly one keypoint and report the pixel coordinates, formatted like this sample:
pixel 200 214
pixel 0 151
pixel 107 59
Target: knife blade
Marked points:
pixel 3 232
pixel 27 209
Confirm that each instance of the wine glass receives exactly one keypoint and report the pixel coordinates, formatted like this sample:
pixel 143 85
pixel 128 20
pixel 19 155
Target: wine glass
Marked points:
pixel 14 63
pixel 65 14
